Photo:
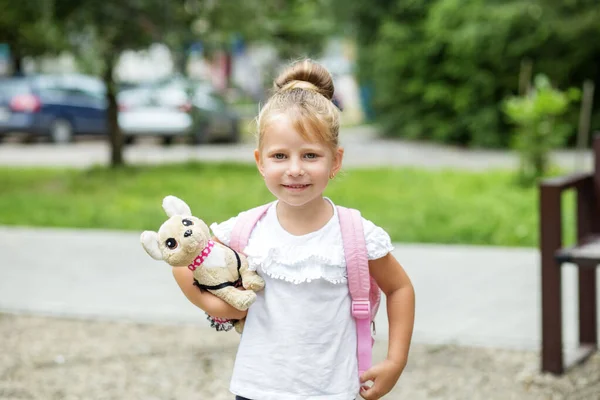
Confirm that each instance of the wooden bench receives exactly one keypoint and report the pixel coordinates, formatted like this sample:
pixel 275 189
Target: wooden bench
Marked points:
pixel 585 255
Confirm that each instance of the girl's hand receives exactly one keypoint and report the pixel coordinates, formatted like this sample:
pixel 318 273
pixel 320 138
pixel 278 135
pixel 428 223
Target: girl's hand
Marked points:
pixel 384 376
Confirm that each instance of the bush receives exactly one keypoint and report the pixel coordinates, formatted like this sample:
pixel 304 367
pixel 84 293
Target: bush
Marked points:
pixel 538 129
pixel 441 69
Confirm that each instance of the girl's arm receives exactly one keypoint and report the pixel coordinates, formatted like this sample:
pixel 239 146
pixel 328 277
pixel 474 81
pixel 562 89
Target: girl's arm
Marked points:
pixel 207 301
pixel 400 295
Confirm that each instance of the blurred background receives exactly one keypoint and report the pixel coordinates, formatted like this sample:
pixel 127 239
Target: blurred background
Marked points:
pixel 440 71
pixel 169 69
pixel 453 112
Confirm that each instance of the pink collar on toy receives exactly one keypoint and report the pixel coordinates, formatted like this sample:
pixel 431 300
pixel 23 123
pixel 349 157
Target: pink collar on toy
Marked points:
pixel 200 259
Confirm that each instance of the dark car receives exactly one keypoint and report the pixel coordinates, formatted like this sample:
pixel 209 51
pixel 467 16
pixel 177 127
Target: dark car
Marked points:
pixel 58 107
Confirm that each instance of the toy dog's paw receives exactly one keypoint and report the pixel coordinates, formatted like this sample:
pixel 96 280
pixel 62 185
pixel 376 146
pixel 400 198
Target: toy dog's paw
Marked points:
pixel 253 282
pixel 239 325
pixel 246 298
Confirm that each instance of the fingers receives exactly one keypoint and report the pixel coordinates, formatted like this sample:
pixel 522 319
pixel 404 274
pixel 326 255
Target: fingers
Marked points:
pixel 368 375
pixel 367 388
pixel 370 393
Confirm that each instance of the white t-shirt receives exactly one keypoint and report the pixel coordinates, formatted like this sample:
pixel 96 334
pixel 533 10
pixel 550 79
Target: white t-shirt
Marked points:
pixel 299 340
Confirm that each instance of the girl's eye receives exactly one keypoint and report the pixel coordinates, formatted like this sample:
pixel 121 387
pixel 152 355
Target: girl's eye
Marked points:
pixel 279 156
pixel 311 156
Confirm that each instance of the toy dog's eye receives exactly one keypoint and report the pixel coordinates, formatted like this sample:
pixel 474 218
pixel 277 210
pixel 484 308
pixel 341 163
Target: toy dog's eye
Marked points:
pixel 187 222
pixel 171 243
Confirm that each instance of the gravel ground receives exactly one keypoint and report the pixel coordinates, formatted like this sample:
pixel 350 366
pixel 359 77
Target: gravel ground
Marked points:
pixel 53 358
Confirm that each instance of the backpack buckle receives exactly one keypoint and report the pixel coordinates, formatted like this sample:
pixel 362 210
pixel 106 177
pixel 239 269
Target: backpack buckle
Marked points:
pixel 361 309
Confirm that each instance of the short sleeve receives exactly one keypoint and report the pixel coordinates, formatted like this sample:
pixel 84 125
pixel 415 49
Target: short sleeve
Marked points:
pixel 222 231
pixel 377 240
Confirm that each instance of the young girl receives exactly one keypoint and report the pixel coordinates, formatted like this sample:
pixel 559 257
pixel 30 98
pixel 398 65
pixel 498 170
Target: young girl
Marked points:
pixel 299 340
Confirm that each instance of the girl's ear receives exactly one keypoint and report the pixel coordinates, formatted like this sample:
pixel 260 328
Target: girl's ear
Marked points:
pixel 338 156
pixel 258 162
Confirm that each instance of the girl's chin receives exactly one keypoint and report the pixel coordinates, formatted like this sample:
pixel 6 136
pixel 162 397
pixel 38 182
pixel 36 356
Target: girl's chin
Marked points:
pixel 292 200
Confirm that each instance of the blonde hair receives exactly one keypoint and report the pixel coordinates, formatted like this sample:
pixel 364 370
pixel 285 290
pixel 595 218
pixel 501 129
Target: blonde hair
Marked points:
pixel 303 92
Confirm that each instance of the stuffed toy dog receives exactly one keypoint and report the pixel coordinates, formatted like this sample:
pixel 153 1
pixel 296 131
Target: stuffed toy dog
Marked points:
pixel 185 241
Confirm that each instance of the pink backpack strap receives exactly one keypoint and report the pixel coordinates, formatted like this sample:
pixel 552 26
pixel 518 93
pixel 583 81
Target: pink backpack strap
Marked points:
pixel 244 225
pixel 359 282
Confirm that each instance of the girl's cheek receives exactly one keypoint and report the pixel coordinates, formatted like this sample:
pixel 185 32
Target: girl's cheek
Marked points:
pixel 274 168
pixel 318 165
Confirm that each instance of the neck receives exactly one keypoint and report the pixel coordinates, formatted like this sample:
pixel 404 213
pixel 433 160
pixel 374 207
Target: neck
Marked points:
pixel 205 252
pixel 299 220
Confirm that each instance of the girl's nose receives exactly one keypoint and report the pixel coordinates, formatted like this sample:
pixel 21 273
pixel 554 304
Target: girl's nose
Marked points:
pixel 295 174
pixel 295 169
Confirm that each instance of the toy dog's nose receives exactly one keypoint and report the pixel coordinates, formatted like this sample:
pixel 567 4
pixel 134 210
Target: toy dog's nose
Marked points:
pixel 187 233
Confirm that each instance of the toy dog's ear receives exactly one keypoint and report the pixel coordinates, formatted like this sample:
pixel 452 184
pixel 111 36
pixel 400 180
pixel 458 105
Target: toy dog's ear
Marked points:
pixel 149 241
pixel 175 206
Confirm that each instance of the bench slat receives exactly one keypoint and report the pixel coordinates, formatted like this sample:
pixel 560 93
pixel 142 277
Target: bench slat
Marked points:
pixel 586 254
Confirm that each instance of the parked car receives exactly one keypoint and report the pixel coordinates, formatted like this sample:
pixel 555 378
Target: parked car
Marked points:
pixel 58 107
pixel 63 106
pixel 177 107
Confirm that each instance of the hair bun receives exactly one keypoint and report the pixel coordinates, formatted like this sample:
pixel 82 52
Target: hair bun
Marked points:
pixel 306 71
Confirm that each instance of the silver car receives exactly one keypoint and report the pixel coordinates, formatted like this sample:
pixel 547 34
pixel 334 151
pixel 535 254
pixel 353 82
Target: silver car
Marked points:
pixel 178 107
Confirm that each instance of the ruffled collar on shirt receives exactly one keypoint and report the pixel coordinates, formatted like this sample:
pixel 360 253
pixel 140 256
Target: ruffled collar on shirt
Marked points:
pixel 298 259
pixel 298 264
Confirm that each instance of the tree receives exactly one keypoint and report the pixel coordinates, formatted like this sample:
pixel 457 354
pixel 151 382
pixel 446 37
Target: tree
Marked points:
pixel 294 28
pixel 29 29
pixel 107 28
pixel 111 27
pixel 441 69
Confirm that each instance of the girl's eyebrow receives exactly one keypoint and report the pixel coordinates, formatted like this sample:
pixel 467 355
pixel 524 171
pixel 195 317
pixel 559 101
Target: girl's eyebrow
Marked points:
pixel 315 148
pixel 278 149
pixel 275 150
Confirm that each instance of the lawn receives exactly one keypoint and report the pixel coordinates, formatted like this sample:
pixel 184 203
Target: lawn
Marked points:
pixel 414 206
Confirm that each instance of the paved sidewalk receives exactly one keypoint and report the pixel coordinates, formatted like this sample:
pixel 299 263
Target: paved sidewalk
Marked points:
pixel 465 295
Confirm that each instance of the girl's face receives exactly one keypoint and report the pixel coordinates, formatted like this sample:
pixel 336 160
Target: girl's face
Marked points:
pixel 295 170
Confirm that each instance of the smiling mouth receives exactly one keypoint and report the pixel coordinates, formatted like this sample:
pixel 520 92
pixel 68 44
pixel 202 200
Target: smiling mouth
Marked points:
pixel 295 186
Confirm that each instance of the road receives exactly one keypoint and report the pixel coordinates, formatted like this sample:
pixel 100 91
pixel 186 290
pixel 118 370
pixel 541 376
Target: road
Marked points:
pixel 362 149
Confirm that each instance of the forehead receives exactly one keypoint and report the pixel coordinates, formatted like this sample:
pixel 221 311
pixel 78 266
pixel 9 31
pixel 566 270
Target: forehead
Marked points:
pixel 282 132
pixel 170 226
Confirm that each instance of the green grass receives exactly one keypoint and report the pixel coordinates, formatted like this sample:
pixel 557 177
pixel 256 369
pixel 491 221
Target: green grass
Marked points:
pixel 414 206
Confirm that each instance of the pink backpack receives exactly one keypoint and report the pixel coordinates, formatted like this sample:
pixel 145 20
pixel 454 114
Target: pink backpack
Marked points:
pixel 364 291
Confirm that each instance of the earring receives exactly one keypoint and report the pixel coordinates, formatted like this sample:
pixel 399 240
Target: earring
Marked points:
pixel 332 175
